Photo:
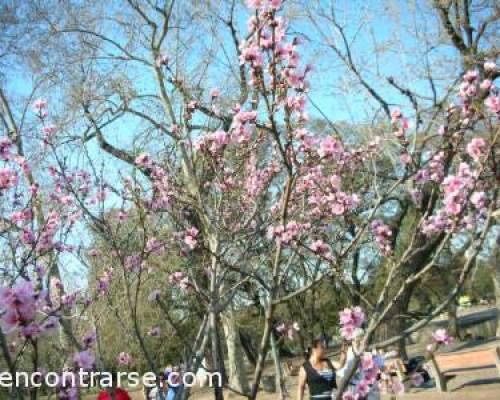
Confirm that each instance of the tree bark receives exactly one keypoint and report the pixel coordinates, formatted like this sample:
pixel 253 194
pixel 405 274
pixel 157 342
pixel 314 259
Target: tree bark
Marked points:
pixel 236 364
pixel 453 328
pixel 496 281
pixel 248 347
pixel 280 381
pixel 216 354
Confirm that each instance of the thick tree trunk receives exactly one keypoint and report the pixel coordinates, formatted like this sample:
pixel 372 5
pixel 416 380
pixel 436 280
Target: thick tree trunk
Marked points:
pixel 395 322
pixel 236 364
pixel 248 347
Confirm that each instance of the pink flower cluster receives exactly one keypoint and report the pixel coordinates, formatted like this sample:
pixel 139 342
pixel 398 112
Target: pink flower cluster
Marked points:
pixel 367 374
pixel 268 38
pixel 441 336
pixel 144 160
pixel 214 142
pixel 40 107
pixel 330 147
pixel 401 125
pixel 383 236
pixel 84 360
pixel 285 234
pixel 133 262
pixel 124 358
pixel 104 281
pixel 190 237
pixel 457 189
pixel 351 320
pixel 476 148
pixel 154 246
pixel 5 146
pixel 181 280
pixel 493 100
pixel 8 179
pixel 162 189
pixel 324 195
pixel 19 307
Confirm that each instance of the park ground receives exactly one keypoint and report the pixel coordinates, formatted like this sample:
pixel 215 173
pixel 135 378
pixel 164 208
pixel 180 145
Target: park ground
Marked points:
pixel 482 384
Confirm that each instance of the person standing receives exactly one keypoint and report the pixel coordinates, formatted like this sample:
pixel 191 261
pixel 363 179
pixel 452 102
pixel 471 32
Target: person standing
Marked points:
pixel 318 373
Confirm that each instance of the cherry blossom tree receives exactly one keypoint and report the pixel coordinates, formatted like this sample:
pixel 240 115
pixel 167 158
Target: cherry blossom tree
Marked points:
pixel 230 191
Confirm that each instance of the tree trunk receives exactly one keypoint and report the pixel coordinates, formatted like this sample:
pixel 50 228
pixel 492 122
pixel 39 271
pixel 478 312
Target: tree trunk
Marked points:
pixel 280 381
pixel 216 355
pixel 237 372
pixel 453 328
pixel 248 347
pixel 496 281
pixel 394 323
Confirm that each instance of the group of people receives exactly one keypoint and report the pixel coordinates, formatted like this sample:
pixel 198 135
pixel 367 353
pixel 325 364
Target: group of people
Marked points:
pixel 169 386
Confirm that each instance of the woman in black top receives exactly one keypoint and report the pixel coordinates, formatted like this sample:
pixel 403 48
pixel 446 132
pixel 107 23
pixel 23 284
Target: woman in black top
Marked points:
pixel 318 373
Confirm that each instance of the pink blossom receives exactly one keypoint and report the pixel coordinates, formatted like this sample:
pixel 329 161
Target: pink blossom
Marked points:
pixel 180 279
pixel 39 104
pixel 490 66
pixel 133 262
pixel 251 55
pixel 93 252
pixel 214 93
pixel 471 75
pixel 190 237
pixel 153 245
pixel 254 3
pixel 396 115
pixel 84 359
pixel 89 339
pixel 486 84
pixel 441 336
pixel 8 178
pixel 383 235
pixel 351 320
pixel 479 199
pixel 124 358
pixel 493 103
pixel 5 146
pixel 32 330
pixel 329 147
pixel 405 158
pixel 49 130
pixel 367 361
pixel 476 148
pixel 9 321
pixel 349 395
pixel 362 389
pixel 319 246
pixel 144 160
